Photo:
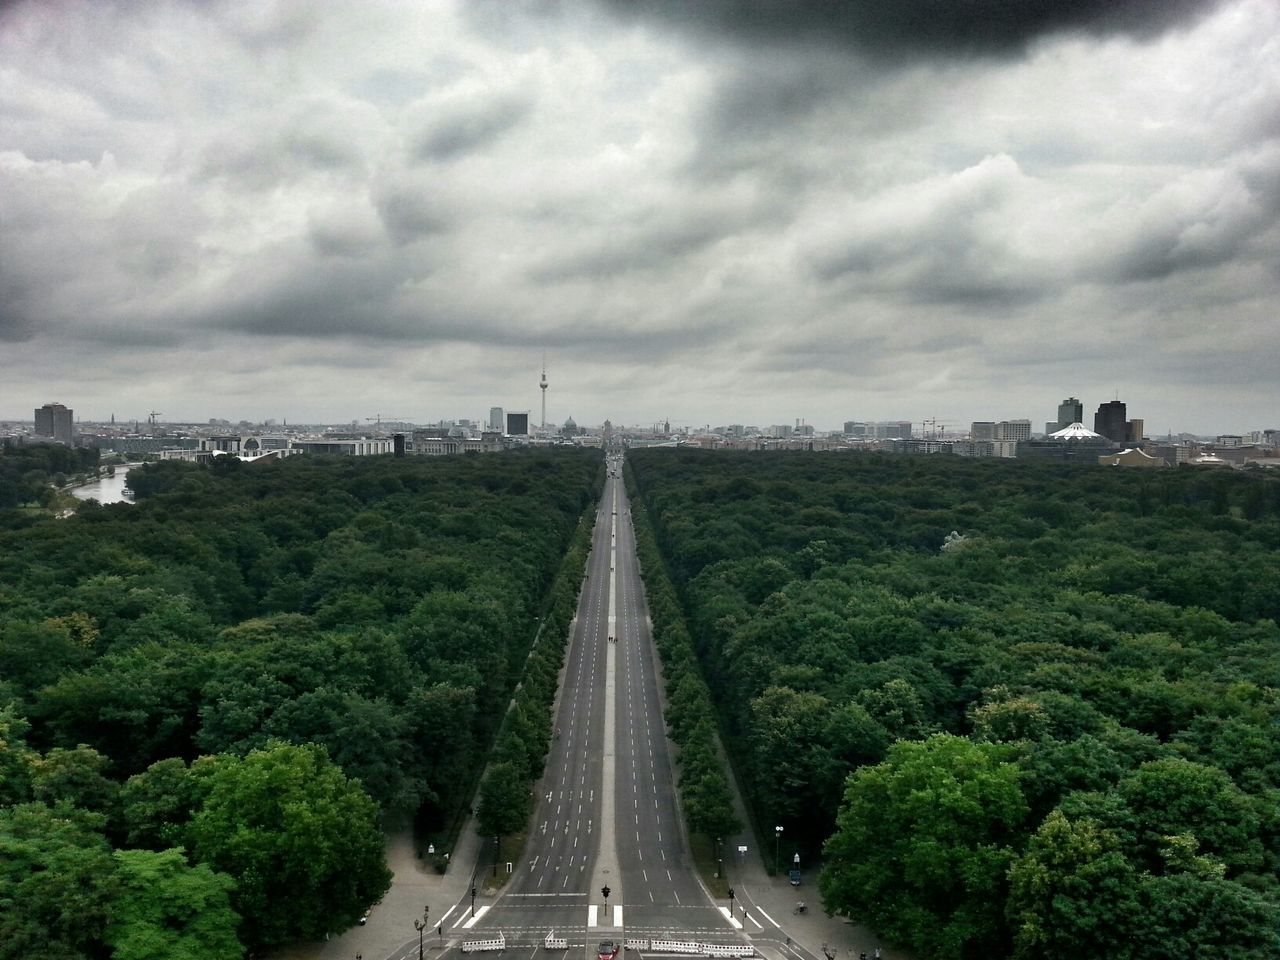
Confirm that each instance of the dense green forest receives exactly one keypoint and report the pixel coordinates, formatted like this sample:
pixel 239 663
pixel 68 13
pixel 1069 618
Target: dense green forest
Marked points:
pixel 1021 709
pixel 30 471
pixel 181 678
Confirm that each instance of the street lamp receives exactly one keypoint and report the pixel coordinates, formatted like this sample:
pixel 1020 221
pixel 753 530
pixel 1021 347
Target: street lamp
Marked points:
pixel 719 859
pixel 421 925
pixel 473 900
pixel 777 843
pixel 731 901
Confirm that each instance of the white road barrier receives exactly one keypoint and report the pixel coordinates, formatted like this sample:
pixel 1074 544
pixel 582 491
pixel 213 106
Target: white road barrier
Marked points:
pixel 498 943
pixel 729 949
pixel 677 946
pixel 635 943
pixel 693 948
pixel 552 942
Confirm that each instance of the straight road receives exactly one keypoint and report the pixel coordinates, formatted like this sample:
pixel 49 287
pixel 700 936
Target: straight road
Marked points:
pixel 607 811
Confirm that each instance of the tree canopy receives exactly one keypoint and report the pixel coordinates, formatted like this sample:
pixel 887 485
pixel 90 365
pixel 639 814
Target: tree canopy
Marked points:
pixel 1098 648
pixel 285 651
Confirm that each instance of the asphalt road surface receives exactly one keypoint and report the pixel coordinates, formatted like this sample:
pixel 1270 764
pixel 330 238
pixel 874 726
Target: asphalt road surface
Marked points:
pixel 607 810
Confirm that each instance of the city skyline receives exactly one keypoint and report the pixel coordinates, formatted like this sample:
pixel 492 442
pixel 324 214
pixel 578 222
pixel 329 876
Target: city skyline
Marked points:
pixel 723 213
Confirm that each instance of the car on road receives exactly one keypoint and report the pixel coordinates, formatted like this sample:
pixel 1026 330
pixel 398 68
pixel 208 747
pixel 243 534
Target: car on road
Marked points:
pixel 608 950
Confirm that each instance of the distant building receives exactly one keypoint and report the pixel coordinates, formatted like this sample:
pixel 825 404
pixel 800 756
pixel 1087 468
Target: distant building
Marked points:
pixel 56 421
pixel 1013 430
pixel 878 430
pixel 1070 411
pixel 1209 460
pixel 1074 443
pixel 1229 440
pixel 495 419
pixel 982 430
pixel 1133 430
pixel 518 424
pixel 1131 458
pixel 1109 421
pixel 351 447
pixel 434 442
pixel 985 448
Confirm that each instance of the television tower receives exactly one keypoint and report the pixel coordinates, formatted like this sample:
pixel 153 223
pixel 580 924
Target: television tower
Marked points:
pixel 543 386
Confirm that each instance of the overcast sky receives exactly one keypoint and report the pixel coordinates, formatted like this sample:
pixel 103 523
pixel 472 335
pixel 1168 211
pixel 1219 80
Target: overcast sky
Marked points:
pixel 713 212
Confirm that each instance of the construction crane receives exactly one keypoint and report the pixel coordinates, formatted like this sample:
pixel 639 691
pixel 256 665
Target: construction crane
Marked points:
pixel 938 432
pixel 377 419
pixel 151 419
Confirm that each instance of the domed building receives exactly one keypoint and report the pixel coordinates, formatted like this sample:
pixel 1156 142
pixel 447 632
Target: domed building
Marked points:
pixel 1074 442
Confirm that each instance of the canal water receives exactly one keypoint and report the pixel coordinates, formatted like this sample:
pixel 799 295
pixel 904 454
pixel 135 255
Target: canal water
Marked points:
pixel 106 489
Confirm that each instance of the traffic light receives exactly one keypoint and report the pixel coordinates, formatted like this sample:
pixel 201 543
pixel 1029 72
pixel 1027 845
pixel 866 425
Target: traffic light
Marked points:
pixel 605 891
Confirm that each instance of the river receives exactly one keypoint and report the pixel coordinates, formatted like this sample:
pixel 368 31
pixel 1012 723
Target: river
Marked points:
pixel 106 489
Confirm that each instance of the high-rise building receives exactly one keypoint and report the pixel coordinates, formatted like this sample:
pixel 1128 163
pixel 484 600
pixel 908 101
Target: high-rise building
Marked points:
pixel 54 420
pixel 982 430
pixel 1070 411
pixel 1133 431
pixel 1013 430
pixel 495 418
pixel 517 424
pixel 1110 420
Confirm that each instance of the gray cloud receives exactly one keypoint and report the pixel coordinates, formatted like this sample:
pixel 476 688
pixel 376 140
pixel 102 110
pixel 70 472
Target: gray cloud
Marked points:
pixel 459 131
pixel 748 212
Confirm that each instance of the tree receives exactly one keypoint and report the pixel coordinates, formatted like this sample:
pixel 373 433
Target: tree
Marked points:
pixel 75 777
pixel 505 801
pixel 57 881
pixel 156 805
pixel 1073 893
pixel 167 910
pixel 923 843
pixel 15 758
pixel 301 840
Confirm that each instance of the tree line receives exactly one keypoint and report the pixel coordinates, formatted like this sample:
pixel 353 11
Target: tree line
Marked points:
pixel 29 472
pixel 246 643
pixel 1020 709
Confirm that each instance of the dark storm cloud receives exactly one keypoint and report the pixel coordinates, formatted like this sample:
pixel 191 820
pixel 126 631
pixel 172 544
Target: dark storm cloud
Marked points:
pixel 892 27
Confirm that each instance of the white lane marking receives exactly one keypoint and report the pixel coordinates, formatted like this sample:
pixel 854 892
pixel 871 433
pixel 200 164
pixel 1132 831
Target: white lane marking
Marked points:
pixel 479 913
pixel 447 912
pixel 617 915
pixel 759 925
pixel 593 912
pixel 734 921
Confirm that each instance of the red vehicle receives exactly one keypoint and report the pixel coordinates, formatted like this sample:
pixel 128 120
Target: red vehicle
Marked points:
pixel 608 950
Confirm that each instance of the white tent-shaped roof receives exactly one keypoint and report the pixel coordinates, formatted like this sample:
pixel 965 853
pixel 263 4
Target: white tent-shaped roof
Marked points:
pixel 1077 431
